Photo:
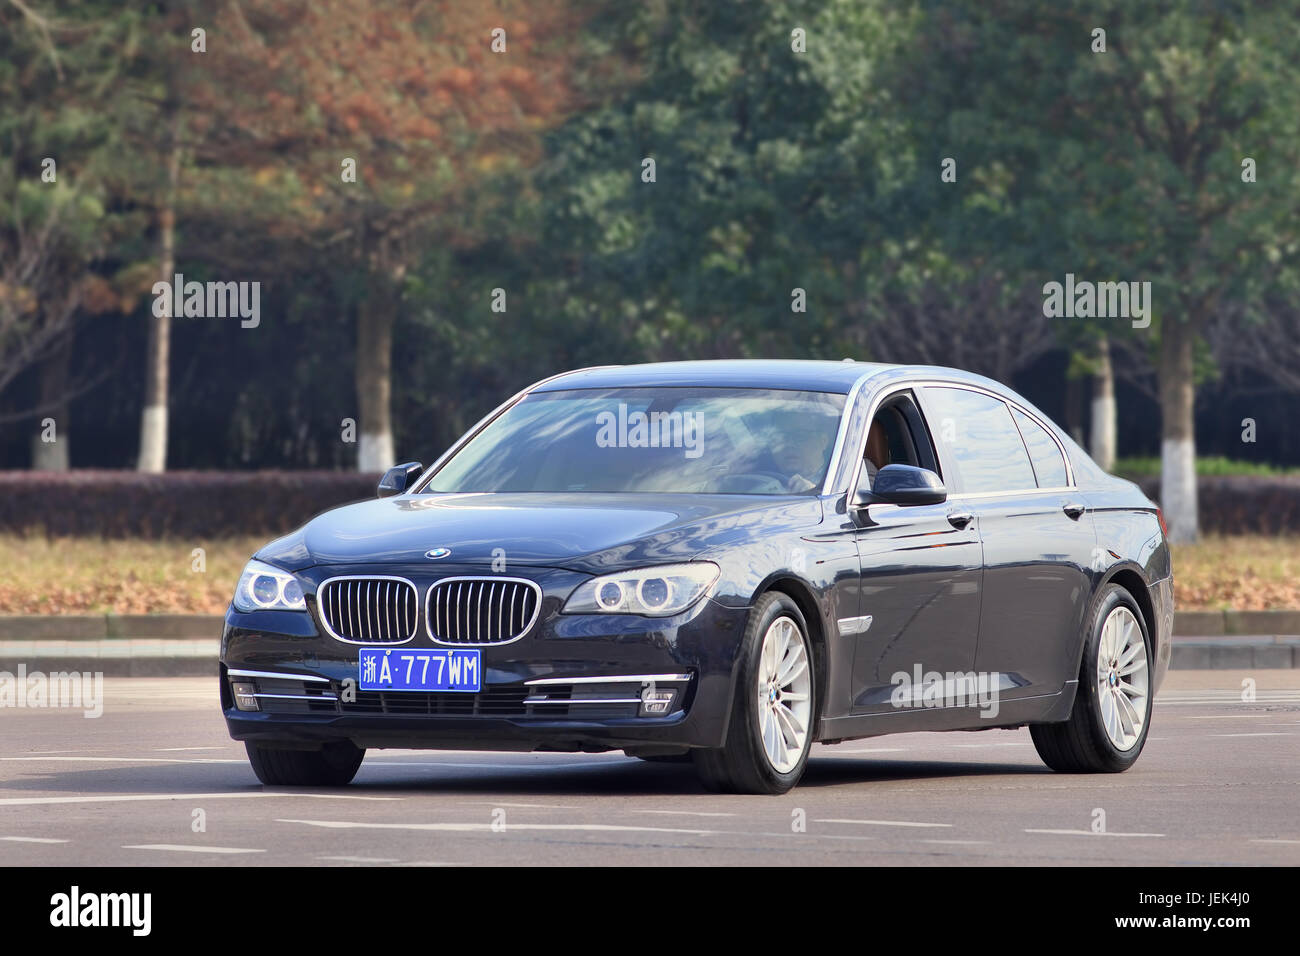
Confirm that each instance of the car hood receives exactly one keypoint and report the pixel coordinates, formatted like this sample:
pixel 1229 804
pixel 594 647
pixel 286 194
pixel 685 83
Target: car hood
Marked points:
pixel 594 533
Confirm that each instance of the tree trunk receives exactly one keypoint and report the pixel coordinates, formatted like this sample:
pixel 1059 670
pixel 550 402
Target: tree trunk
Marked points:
pixel 374 377
pixel 1178 433
pixel 52 395
pixel 1104 417
pixel 153 422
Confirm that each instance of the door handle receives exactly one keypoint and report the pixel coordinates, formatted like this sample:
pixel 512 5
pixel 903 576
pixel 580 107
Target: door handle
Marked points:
pixel 1073 509
pixel 960 519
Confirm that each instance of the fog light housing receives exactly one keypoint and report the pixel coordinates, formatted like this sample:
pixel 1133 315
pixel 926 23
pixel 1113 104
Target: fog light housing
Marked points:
pixel 245 696
pixel 656 703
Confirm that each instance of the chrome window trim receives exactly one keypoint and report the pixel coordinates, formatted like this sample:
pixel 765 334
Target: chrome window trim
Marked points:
pixel 980 389
pixel 619 679
pixel 368 577
pixel 275 675
pixel 428 621
pixel 487 419
pixel 845 418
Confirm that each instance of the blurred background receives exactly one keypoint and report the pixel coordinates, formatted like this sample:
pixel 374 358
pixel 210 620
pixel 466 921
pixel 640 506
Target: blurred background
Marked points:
pixel 441 202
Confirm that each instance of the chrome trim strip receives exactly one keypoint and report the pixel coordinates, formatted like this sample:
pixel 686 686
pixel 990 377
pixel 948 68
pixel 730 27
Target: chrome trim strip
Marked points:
pixel 276 675
pixel 855 625
pixel 942 383
pixel 459 581
pixel 298 696
pixel 618 679
pixel 320 590
pixel 581 700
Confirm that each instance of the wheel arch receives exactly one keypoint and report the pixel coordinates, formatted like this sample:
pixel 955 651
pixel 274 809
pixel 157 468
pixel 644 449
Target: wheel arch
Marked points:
pixel 1129 577
pixel 802 595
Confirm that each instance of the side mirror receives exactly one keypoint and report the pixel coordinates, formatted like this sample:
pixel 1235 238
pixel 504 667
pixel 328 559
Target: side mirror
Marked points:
pixel 398 478
pixel 902 485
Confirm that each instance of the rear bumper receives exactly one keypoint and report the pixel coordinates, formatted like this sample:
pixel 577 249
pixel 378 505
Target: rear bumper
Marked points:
pixel 574 684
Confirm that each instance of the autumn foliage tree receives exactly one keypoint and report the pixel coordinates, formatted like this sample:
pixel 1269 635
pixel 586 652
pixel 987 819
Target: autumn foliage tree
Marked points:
pixel 363 131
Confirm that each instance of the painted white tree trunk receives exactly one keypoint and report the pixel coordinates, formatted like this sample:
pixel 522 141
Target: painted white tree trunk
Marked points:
pixel 1178 488
pixel 1104 414
pixel 153 440
pixel 50 455
pixel 375 452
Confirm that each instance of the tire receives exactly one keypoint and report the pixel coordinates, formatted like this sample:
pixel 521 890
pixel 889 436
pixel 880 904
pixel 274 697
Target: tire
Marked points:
pixel 1102 734
pixel 743 764
pixel 334 765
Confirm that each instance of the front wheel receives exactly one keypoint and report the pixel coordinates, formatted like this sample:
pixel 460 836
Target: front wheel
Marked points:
pixel 334 765
pixel 1108 726
pixel 770 731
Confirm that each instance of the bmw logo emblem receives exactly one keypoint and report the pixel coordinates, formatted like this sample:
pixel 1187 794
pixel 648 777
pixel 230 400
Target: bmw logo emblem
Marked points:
pixel 433 554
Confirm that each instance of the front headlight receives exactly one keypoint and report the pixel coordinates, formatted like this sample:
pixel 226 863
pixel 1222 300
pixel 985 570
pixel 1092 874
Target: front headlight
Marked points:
pixel 264 588
pixel 652 592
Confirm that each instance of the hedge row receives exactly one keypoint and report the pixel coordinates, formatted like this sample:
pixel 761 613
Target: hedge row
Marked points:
pixel 126 504
pixel 1243 504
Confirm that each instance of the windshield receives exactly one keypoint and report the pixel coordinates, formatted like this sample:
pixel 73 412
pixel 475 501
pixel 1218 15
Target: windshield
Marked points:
pixel 662 440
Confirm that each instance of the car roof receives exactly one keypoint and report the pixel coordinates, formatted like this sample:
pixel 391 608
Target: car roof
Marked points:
pixel 801 374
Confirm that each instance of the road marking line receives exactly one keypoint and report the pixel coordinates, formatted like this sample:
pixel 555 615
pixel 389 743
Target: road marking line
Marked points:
pixel 32 840
pixel 525 806
pixel 170 749
pixel 1221 716
pixel 131 759
pixel 1095 833
pixel 481 827
pixel 1271 733
pixel 429 863
pixel 486 766
pixel 143 797
pixel 1277 841
pixel 960 842
pixel 361 859
pixel 1009 743
pixel 887 823
pixel 863 750
pixel 689 813
pixel 182 848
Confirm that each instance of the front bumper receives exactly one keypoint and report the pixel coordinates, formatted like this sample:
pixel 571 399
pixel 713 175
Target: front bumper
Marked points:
pixel 572 683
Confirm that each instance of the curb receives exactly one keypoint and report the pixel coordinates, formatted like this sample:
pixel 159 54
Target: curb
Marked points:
pixel 95 627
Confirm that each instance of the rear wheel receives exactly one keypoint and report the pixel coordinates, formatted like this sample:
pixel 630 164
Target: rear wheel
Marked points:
pixel 770 731
pixel 1112 707
pixel 332 766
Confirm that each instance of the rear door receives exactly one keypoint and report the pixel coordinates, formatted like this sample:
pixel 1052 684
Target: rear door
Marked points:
pixel 1037 534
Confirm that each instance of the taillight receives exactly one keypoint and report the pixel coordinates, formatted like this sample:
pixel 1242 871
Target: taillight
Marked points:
pixel 1160 516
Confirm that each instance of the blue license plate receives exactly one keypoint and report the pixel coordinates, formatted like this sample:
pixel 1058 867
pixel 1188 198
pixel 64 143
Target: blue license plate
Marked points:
pixel 432 669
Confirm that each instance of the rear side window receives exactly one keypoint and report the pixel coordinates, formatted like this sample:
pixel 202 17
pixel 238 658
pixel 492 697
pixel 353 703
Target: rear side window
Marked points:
pixel 981 435
pixel 1049 466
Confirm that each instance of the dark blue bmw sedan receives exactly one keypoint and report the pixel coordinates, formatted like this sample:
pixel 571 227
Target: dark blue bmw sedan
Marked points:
pixel 719 562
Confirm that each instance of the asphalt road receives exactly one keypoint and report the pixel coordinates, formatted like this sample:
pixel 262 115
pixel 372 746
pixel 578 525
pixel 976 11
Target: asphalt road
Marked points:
pixel 1219 783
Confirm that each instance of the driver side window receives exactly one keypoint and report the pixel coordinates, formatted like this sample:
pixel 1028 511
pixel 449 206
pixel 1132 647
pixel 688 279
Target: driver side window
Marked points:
pixel 896 436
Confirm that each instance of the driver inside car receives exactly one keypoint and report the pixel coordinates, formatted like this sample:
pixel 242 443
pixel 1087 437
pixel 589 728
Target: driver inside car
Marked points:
pixel 877 454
